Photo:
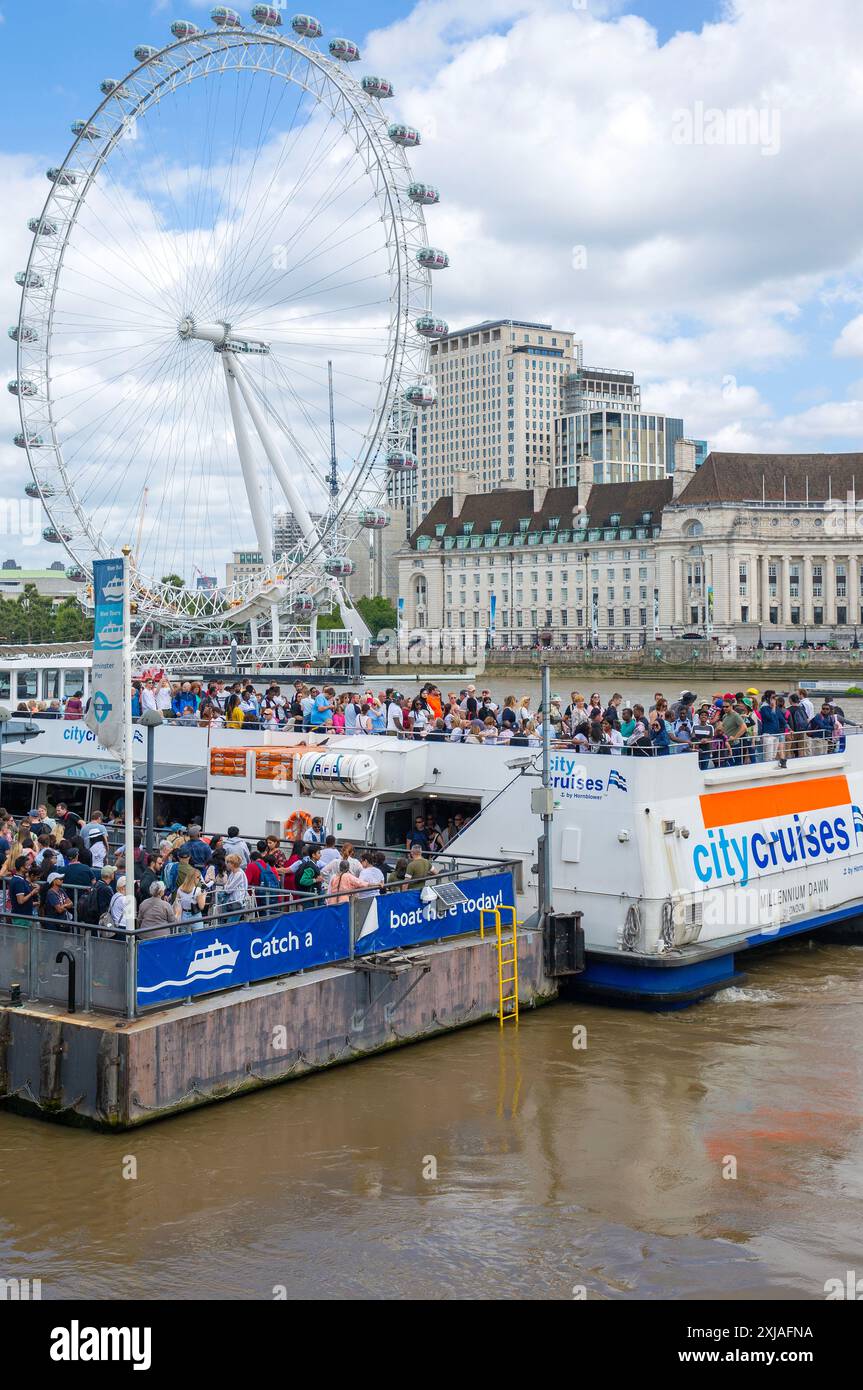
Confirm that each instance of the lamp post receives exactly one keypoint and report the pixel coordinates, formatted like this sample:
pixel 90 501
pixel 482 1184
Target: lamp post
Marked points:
pixel 150 720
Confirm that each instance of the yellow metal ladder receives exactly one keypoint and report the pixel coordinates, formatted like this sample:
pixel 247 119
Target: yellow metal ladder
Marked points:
pixel 507 960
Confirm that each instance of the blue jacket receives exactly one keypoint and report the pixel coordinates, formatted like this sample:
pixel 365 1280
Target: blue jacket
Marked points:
pixel 772 721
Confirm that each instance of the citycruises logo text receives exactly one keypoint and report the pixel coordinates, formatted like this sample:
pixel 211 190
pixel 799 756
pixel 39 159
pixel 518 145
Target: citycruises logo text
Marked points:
pixel 571 779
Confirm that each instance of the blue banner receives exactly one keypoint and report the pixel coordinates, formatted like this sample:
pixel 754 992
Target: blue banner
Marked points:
pixel 177 967
pixel 403 919
pixel 105 712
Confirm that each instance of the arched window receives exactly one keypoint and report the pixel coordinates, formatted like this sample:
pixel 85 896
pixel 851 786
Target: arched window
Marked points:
pixel 420 597
pixel 693 528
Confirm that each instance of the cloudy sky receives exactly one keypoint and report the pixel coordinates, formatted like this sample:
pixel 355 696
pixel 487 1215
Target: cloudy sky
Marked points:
pixel 678 183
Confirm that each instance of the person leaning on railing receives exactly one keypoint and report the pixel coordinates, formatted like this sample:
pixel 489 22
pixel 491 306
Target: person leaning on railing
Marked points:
pixel 156 912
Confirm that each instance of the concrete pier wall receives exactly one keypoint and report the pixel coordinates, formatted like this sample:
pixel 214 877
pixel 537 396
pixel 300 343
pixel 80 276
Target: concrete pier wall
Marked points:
pixel 92 1070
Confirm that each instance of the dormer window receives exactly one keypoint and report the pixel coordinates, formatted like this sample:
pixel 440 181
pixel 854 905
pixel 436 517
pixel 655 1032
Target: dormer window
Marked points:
pixel 553 523
pixel 646 518
pixel 523 523
pixel 614 519
pixel 468 528
pixel 440 528
pixel 495 527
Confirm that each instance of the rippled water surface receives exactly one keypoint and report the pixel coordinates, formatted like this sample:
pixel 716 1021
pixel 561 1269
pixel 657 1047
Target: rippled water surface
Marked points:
pixel 555 1167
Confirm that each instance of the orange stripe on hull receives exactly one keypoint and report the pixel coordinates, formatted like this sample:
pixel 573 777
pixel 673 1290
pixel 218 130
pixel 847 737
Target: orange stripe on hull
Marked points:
pixel 763 803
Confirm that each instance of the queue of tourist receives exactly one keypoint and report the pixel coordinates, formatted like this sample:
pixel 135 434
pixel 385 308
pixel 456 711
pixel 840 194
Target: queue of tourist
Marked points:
pixel 61 870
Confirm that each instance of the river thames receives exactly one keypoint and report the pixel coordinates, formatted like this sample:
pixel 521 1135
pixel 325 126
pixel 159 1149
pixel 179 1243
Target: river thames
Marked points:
pixel 484 1165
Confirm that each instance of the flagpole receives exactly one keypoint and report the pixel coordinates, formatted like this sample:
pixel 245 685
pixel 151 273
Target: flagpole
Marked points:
pixel 128 756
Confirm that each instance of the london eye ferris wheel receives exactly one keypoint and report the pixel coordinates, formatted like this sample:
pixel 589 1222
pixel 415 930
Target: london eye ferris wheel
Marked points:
pixel 231 266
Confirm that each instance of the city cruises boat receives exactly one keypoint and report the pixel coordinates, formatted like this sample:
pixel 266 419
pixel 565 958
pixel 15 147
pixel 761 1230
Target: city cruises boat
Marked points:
pixel 679 871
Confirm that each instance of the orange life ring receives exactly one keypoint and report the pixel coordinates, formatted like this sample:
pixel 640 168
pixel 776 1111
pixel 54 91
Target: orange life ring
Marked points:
pixel 296 824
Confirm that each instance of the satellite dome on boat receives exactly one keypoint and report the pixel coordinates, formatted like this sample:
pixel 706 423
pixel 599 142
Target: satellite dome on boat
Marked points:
pixel 344 50
pixel 430 326
pixel 307 26
pixel 42 228
pixel 23 333
pixel 184 29
pixel 20 386
pixel 373 519
pixel 144 52
pixel 267 15
pixel 378 87
pixel 225 18
pixel 339 566
pixel 406 135
pixel 432 258
pixel 29 441
pixel 424 193
pixel 421 393
pixel 64 177
pixel 401 460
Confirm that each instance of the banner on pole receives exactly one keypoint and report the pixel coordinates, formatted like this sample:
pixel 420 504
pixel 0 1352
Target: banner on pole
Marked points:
pixel 105 712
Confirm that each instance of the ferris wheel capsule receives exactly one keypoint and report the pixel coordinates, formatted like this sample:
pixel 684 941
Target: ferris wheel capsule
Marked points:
pixel 184 29
pixel 22 387
pixel 307 26
pixel 432 258
pixel 344 50
pixel 112 88
pixel 55 537
pixel 29 280
pixel 40 227
pixel 430 326
pixel 223 18
pixel 302 605
pixel 64 177
pixel 339 567
pixel 76 574
pixel 23 333
pixel 144 52
pixel 267 15
pixel 29 441
pixel 33 490
pixel 380 87
pixel 87 131
pixel 373 519
pixel 422 393
pixel 401 461
pixel 423 193
pixel 406 135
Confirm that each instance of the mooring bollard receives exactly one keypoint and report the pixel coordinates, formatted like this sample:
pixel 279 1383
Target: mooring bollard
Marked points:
pixel 67 955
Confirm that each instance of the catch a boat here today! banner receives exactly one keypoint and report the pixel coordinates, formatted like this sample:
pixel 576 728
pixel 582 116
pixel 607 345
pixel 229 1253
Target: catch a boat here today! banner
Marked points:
pixel 178 967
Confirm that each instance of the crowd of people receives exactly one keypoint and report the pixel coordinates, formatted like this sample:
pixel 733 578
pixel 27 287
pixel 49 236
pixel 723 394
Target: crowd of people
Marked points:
pixel 62 870
pixel 746 725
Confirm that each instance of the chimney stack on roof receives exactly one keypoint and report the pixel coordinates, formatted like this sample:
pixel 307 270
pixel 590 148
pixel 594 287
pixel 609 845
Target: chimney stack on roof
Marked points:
pixel 464 485
pixel 684 465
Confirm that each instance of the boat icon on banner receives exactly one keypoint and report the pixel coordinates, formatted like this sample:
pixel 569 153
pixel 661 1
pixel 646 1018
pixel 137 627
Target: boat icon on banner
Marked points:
pixel 110 635
pixel 215 959
pixel 113 588
pixel 208 963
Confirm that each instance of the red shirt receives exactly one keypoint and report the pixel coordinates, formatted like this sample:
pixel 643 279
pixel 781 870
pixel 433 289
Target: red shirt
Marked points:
pixel 253 873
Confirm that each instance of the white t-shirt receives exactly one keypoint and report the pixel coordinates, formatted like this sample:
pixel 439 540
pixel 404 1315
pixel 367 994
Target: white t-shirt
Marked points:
pixel 395 723
pixel 148 698
pixel 163 697
pixel 373 876
pixel 329 855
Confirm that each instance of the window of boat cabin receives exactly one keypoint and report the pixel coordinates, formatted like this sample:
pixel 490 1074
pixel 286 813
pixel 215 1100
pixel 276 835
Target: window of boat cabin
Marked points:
pixel 28 685
pixel 5 685
pixel 73 793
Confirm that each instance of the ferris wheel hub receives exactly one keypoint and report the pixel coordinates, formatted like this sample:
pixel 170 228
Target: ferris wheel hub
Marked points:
pixel 216 333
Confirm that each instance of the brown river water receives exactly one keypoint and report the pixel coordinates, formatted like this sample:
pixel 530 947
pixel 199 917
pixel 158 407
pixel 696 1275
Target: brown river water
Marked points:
pixel 557 1168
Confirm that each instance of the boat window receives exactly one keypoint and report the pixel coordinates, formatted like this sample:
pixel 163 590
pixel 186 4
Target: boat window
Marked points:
pixel 28 685
pixel 51 683
pixel 5 685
